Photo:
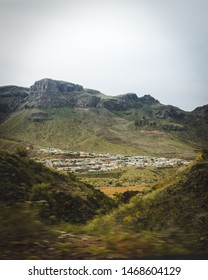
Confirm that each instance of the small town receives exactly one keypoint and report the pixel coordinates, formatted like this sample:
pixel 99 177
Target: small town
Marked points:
pixel 91 162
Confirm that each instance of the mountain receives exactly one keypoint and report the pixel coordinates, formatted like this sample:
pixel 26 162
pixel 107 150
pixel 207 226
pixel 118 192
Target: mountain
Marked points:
pixel 66 115
pixel 47 93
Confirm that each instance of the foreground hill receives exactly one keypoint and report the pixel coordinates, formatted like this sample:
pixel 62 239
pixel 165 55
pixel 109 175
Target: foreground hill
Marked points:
pixel 59 197
pixel 170 221
pixel 61 114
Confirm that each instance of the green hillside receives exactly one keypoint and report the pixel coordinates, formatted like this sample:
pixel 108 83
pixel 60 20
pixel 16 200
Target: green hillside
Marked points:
pixel 91 129
pixel 170 221
pixel 129 176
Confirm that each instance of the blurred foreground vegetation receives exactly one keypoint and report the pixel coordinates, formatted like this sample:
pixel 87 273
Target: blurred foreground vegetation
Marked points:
pixel 48 215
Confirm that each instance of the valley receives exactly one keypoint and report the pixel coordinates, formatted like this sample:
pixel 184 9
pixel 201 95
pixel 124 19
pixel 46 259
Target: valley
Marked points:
pixel 111 174
pixel 86 175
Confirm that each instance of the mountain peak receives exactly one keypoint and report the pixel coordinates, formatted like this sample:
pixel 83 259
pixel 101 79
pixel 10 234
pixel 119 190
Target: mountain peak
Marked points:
pixel 128 96
pixel 148 99
pixel 49 85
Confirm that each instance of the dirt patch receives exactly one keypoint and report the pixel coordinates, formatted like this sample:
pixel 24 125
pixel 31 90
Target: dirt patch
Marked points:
pixel 110 191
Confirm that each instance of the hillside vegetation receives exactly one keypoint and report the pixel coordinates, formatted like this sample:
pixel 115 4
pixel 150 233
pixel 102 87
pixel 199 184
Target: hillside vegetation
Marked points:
pixel 90 130
pixel 168 221
pixel 59 197
pixel 128 176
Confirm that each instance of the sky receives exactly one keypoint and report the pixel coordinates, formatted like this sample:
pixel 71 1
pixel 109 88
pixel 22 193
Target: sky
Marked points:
pixel 156 47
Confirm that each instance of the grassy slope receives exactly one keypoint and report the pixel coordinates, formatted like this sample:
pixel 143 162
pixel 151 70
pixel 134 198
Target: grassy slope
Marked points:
pixel 131 176
pixel 90 130
pixel 32 197
pixel 59 196
pixel 168 222
pixel 194 134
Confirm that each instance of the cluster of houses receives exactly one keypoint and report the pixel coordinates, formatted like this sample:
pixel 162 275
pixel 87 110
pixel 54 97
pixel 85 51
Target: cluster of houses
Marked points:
pixel 90 162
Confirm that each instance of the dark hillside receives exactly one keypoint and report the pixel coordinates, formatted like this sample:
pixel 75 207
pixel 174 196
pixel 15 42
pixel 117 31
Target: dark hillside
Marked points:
pixel 60 197
pixel 34 200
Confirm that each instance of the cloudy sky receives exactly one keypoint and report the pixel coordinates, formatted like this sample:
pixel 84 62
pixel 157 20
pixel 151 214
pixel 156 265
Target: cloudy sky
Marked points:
pixel 157 47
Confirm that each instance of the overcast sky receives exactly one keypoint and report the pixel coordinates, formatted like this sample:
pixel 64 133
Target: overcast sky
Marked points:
pixel 157 47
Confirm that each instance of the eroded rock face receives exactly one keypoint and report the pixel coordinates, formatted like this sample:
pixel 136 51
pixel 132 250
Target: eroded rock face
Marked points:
pixel 11 97
pixel 201 113
pixel 128 101
pixel 44 94
pixel 48 85
pixel 148 99
pixel 122 102
pixel 170 113
pixel 49 93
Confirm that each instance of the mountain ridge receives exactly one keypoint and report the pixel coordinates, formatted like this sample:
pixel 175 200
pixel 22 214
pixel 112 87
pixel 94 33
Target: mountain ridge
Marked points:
pixel 40 95
pixel 66 115
pixel 50 86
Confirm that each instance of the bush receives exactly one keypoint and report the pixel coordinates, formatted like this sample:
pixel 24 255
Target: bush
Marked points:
pixel 22 152
pixel 205 154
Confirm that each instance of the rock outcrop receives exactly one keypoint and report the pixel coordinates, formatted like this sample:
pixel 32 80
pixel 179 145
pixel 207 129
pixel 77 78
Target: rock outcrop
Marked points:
pixel 50 86
pixel 49 93
pixel 201 113
pixel 147 99
pixel 10 98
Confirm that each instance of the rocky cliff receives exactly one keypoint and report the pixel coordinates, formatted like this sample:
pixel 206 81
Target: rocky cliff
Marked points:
pixel 48 93
pixel 11 97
